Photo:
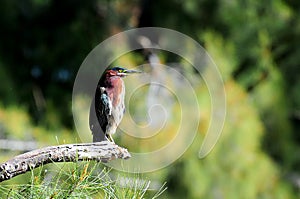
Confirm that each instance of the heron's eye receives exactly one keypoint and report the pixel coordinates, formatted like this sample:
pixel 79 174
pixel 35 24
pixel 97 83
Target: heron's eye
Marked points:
pixel 121 71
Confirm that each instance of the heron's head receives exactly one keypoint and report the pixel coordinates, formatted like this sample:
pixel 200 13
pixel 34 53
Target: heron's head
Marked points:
pixel 121 72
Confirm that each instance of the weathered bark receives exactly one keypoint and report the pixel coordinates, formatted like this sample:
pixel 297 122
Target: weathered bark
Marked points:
pixel 98 151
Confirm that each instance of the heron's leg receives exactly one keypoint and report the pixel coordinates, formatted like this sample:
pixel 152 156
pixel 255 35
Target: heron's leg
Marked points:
pixel 107 137
pixel 111 139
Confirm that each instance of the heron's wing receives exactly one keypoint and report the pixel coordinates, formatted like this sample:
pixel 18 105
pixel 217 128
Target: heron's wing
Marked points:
pixel 100 108
pixel 106 102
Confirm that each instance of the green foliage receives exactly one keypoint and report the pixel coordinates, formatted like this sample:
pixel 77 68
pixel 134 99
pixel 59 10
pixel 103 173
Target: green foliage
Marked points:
pixel 79 180
pixel 237 166
pixel 21 127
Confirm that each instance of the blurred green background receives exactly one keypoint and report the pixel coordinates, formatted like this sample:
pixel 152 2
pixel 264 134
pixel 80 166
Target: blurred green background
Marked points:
pixel 255 44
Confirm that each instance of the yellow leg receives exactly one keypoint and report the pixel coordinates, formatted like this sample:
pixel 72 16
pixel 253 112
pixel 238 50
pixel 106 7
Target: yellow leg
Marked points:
pixel 110 138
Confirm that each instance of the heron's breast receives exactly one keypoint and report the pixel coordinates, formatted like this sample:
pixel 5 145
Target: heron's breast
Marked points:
pixel 117 92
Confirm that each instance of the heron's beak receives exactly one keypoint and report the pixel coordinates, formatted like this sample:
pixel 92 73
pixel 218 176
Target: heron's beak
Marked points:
pixel 128 72
pixel 132 71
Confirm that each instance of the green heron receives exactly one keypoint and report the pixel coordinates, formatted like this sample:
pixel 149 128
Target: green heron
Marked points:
pixel 107 108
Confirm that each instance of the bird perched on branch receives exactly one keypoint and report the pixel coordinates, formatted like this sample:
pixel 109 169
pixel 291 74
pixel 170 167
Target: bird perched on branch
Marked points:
pixel 107 108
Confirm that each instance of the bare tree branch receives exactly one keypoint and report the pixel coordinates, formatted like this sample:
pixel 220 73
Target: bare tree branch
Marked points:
pixel 98 151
